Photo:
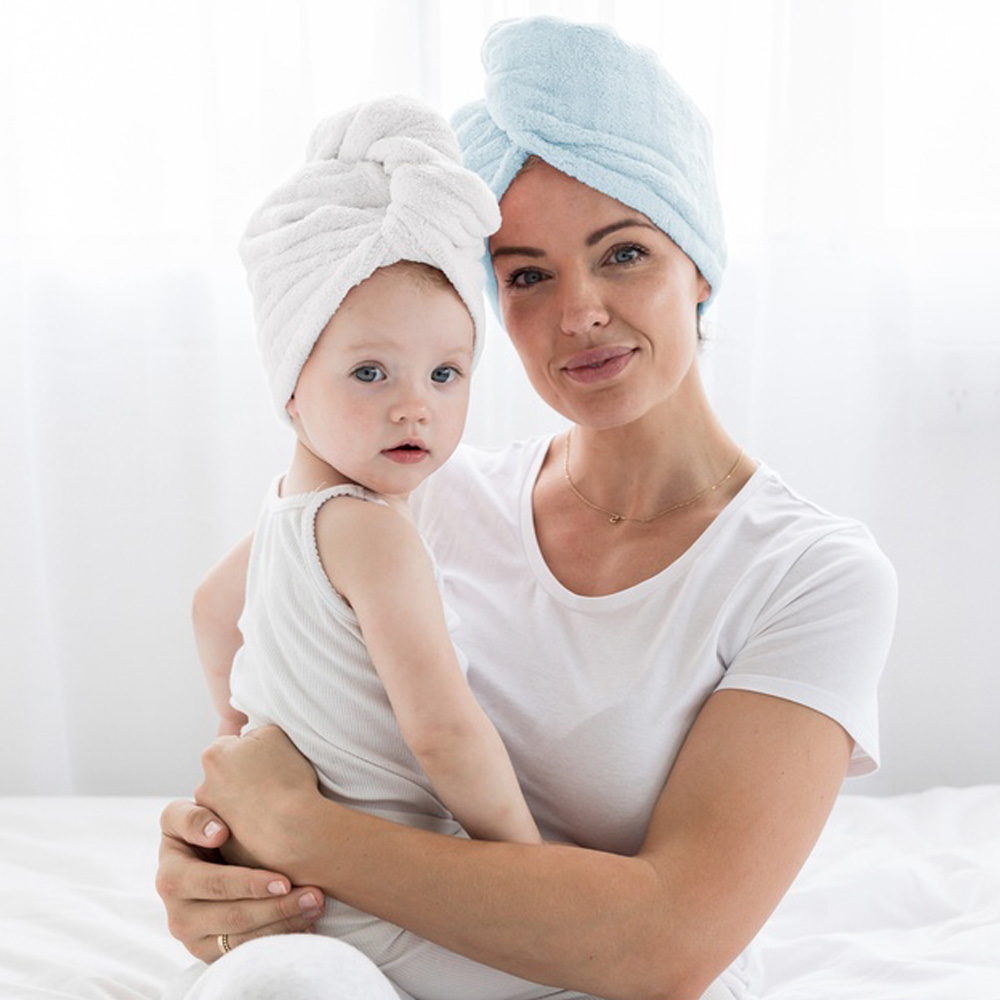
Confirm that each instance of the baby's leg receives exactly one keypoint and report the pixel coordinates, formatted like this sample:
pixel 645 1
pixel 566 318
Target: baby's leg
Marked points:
pixel 718 991
pixel 420 968
pixel 289 967
pixel 306 967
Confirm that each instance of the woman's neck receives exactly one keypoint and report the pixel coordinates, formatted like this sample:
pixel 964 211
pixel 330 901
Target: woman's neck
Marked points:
pixel 624 515
pixel 642 468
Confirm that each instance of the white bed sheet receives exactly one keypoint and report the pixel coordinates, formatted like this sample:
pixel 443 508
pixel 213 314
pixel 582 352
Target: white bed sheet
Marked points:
pixel 79 915
pixel 900 901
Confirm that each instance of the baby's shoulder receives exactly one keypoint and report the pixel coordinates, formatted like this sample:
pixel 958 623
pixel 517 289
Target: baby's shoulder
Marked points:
pixel 363 546
pixel 354 519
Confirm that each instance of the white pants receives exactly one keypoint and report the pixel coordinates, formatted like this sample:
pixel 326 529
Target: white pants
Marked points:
pixel 307 967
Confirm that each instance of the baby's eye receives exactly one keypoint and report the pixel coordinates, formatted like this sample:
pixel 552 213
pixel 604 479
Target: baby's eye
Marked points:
pixel 524 278
pixel 628 253
pixel 368 373
pixel 445 374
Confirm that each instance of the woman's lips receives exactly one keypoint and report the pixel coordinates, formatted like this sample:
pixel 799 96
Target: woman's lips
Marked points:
pixel 599 365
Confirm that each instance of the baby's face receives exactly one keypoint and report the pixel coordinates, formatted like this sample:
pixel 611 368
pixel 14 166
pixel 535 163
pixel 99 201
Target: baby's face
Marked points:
pixel 384 394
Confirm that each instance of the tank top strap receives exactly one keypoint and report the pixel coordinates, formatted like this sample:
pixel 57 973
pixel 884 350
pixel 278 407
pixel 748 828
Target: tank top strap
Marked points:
pixel 320 497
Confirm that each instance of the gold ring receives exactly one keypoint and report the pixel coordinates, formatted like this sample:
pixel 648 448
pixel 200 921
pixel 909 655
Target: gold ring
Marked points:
pixel 224 945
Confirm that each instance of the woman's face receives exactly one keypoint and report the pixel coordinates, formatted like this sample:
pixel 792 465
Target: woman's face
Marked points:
pixel 599 303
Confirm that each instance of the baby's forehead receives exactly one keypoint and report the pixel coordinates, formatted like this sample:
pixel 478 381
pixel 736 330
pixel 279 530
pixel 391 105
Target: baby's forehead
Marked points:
pixel 360 341
pixel 399 309
pixel 364 334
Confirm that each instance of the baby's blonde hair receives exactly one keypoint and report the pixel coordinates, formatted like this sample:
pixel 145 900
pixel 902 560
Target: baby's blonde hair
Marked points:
pixel 420 273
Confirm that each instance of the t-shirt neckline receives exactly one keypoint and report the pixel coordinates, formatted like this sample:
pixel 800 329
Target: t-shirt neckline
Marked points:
pixel 547 579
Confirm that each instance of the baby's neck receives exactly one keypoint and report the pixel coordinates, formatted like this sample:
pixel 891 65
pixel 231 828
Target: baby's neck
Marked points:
pixel 307 473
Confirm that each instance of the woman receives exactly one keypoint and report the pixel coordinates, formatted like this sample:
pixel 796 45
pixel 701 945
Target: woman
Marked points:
pixel 680 653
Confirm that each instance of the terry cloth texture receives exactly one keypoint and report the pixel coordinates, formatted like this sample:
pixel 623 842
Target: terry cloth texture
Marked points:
pixel 382 182
pixel 604 112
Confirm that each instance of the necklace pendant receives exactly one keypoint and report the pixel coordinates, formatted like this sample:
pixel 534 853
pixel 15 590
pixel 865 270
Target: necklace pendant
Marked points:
pixel 615 519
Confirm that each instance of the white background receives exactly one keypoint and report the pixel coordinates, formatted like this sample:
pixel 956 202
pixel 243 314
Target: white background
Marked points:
pixel 855 345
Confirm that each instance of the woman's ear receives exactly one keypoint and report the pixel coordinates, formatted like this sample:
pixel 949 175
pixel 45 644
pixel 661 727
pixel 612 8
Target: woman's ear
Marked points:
pixel 704 289
pixel 290 408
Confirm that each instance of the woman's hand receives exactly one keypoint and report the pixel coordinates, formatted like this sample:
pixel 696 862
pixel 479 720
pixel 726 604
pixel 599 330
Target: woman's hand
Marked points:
pixel 205 898
pixel 256 782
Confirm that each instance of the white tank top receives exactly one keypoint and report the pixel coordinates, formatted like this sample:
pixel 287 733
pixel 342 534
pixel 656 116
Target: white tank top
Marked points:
pixel 304 667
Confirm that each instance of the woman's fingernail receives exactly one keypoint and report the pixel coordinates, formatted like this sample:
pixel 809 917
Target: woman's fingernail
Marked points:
pixel 211 829
pixel 308 902
pixel 276 888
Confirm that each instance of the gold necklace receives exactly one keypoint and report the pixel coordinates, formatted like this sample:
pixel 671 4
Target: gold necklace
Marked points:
pixel 615 518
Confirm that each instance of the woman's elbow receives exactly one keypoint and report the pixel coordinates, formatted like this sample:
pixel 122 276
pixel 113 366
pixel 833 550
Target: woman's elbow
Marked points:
pixel 669 963
pixel 670 980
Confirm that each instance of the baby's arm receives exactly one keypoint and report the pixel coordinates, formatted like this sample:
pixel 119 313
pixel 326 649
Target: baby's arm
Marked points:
pixel 215 612
pixel 374 557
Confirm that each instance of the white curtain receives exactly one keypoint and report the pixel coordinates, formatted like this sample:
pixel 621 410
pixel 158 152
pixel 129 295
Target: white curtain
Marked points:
pixel 855 345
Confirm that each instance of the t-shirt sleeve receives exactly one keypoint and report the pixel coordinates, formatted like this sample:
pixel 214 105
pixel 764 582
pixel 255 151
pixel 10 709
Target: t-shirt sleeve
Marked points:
pixel 822 637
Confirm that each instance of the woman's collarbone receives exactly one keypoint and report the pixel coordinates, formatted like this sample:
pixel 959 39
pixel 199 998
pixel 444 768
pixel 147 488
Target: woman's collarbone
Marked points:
pixel 591 556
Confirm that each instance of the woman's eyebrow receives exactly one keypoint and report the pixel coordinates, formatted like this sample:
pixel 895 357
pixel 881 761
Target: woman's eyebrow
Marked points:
pixel 594 238
pixel 599 234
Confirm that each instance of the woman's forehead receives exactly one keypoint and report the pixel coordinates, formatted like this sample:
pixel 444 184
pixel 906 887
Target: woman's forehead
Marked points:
pixel 539 177
pixel 542 197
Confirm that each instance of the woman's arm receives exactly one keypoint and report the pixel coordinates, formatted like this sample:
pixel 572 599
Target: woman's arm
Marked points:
pixel 740 812
pixel 374 557
pixel 215 612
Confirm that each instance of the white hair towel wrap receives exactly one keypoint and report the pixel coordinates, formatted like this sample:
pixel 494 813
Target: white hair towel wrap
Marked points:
pixel 382 182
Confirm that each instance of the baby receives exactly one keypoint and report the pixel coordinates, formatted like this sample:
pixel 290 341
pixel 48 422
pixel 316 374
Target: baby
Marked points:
pixel 366 272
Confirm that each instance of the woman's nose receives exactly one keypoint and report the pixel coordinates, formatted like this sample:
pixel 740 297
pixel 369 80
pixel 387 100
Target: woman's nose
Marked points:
pixel 581 307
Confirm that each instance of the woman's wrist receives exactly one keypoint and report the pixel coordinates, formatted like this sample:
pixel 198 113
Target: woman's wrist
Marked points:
pixel 328 844
pixel 297 831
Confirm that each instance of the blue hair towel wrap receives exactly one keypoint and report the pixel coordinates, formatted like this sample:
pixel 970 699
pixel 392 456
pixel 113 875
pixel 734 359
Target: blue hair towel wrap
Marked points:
pixel 604 112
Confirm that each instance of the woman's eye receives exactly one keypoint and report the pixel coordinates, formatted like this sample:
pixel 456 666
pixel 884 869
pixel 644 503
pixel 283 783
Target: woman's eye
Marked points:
pixel 524 278
pixel 368 373
pixel 444 374
pixel 628 254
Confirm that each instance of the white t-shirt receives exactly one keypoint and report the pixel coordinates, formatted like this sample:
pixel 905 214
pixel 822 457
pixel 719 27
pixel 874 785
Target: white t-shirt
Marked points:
pixel 594 696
